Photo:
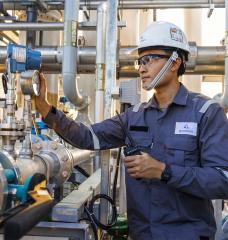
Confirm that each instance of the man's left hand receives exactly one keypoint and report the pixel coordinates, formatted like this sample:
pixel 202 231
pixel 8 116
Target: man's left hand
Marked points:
pixel 144 166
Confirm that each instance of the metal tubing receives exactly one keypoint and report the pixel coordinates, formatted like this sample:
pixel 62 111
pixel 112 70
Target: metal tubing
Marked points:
pixel 46 26
pixel 100 69
pixel 125 4
pixel 100 61
pixel 210 55
pixel 31 35
pixel 209 60
pixel 80 156
pixel 70 84
pixel 110 82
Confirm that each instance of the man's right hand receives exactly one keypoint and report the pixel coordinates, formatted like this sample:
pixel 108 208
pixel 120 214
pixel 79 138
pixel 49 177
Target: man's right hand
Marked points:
pixel 42 105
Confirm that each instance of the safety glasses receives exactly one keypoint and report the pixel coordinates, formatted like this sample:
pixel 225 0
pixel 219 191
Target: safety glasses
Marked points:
pixel 148 59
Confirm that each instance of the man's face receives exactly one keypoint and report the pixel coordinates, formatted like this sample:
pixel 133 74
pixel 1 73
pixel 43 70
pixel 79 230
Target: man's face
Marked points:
pixel 149 70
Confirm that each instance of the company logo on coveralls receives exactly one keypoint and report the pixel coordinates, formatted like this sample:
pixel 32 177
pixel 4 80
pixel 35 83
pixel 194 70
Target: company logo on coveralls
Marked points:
pixel 189 128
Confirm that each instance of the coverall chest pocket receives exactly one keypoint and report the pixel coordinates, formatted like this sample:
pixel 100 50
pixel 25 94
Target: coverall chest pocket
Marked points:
pixel 181 150
pixel 142 139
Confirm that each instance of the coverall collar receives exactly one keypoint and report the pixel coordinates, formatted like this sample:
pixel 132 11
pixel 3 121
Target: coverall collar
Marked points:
pixel 179 99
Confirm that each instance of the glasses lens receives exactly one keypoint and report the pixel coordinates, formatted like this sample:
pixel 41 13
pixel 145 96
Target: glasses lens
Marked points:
pixel 148 58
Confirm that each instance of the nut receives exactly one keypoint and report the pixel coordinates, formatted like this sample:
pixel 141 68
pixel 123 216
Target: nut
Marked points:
pixel 54 146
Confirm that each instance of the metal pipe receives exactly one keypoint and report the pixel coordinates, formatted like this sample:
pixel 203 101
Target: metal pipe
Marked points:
pixel 79 156
pixel 46 26
pixel 100 69
pixel 31 35
pixel 110 82
pixel 70 84
pixel 100 61
pixel 52 60
pixel 125 4
pixel 210 55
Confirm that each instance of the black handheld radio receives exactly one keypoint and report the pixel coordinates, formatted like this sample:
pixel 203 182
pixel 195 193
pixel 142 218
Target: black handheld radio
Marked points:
pixel 132 148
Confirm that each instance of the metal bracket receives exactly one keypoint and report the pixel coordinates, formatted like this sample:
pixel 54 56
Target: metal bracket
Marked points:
pixel 211 9
pixel 86 12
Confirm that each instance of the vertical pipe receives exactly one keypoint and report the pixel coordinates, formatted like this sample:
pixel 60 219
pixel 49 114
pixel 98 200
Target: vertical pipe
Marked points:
pixel 70 85
pixel 100 69
pixel 31 35
pixel 111 45
pixel 110 81
pixel 100 61
pixel 26 150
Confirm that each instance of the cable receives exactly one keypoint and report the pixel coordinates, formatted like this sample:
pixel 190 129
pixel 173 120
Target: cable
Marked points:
pixel 82 171
pixel 91 215
pixel 116 176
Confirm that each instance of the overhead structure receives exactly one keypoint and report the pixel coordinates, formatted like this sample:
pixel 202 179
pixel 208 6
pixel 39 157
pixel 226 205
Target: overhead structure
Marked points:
pixel 125 4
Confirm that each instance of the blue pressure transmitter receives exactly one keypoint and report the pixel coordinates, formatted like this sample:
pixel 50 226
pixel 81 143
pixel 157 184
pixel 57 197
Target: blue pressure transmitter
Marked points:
pixel 22 58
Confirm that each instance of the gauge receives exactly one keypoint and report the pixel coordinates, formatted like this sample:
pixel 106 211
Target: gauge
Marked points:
pixel 30 83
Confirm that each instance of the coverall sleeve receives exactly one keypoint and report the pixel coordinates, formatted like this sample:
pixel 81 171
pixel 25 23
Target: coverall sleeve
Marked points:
pixel 103 135
pixel 210 180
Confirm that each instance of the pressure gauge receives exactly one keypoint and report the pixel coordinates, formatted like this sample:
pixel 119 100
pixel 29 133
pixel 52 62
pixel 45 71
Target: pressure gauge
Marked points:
pixel 30 83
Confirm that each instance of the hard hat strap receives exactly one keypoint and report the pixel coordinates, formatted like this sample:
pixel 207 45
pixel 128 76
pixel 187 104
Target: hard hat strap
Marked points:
pixel 162 72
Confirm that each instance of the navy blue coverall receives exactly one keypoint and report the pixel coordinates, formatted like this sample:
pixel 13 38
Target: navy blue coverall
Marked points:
pixel 191 135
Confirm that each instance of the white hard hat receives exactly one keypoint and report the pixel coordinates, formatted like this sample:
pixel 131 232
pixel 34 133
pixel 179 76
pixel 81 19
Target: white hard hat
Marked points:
pixel 163 34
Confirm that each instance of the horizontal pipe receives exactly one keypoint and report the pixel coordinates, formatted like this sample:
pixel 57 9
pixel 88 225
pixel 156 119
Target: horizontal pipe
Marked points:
pixel 210 55
pixel 80 156
pixel 46 26
pixel 130 71
pixel 208 60
pixel 125 4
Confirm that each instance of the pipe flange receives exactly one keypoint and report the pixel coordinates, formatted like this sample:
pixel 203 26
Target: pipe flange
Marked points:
pixel 12 133
pixel 8 162
pixel 57 159
pixel 191 63
pixel 12 126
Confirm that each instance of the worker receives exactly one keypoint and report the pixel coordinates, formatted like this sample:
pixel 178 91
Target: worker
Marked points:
pixel 183 163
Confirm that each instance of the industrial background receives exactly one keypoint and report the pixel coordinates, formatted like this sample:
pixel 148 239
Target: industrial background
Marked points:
pixel 84 49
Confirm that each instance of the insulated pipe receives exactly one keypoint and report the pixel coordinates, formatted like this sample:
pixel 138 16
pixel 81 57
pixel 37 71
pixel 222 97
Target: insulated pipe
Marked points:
pixel 100 61
pixel 126 4
pixel 110 82
pixel 69 67
pixel 100 70
pixel 224 98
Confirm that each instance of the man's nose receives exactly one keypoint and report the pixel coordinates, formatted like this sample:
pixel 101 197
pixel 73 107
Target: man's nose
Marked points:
pixel 142 68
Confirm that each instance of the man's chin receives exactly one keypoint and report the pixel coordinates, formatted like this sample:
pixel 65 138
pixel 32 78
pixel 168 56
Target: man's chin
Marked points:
pixel 145 86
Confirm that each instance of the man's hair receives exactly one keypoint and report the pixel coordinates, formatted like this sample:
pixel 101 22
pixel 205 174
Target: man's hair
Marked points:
pixel 183 55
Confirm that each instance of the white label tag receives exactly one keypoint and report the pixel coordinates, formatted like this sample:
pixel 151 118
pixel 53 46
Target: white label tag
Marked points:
pixel 189 128
pixel 176 35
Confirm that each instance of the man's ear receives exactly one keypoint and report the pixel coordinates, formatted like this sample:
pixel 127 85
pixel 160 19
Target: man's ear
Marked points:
pixel 176 64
